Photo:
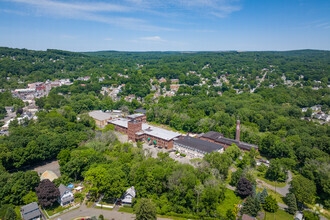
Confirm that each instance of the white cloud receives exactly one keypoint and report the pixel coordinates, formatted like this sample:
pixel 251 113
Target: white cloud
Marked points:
pixel 154 38
pixel 81 6
pixel 92 11
pixel 108 38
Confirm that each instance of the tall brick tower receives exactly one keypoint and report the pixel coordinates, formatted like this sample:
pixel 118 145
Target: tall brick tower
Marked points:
pixel 238 128
pixel 133 127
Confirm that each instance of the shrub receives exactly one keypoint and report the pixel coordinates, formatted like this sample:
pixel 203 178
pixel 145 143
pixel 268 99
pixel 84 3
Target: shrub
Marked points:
pixel 270 204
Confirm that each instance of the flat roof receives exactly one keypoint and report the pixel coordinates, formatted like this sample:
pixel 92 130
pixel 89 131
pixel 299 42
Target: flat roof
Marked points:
pixel 100 115
pixel 218 137
pixel 148 129
pixel 199 144
pixel 136 115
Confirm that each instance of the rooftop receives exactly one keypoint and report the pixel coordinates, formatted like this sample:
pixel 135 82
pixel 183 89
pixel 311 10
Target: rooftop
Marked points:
pixel 201 145
pixel 135 115
pixel 148 129
pixel 218 137
pixel 100 115
pixel 29 207
pixel 48 174
pixel 63 189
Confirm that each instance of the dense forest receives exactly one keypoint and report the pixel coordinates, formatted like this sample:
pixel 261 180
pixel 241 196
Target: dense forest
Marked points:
pixel 271 117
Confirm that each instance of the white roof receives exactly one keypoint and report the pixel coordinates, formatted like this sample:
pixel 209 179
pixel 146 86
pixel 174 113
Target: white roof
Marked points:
pixel 148 129
pixel 100 115
pixel 135 115
pixel 78 188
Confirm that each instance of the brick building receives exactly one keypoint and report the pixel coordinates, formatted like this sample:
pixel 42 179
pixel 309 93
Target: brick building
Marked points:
pixel 139 131
pixel 218 138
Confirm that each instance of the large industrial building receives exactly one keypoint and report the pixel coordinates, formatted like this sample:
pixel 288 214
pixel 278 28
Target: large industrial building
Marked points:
pixel 138 131
pixel 218 138
pixel 196 148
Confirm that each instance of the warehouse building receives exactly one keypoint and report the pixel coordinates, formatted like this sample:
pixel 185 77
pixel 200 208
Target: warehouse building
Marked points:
pixel 138 131
pixel 196 148
pixel 101 118
pixel 218 138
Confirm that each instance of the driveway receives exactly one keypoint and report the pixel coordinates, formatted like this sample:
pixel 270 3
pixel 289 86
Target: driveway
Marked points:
pixel 281 190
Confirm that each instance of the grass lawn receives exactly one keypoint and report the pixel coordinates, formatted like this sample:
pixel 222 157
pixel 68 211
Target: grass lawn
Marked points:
pixel 228 177
pixel 105 203
pixel 98 207
pixel 56 208
pixel 171 217
pixel 126 209
pixel 279 215
pixel 89 204
pixel 277 196
pixel 260 176
pixel 230 200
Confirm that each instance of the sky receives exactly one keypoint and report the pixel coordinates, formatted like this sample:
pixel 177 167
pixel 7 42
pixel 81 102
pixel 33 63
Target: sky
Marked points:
pixel 165 25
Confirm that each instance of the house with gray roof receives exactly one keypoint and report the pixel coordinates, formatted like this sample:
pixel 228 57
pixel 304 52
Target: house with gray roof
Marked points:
pixel 31 211
pixel 128 196
pixel 66 195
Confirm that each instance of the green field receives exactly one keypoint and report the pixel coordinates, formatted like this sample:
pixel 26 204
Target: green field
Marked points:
pixel 126 209
pixel 230 200
pixel 279 215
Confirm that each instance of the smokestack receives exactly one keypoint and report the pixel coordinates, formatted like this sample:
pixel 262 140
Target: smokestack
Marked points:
pixel 238 128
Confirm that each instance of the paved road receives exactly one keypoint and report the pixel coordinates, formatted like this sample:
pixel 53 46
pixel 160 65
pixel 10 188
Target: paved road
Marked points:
pixel 83 211
pixel 281 190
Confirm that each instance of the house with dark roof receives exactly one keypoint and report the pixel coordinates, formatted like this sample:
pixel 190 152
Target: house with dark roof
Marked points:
pixel 196 148
pixel 66 195
pixel 31 211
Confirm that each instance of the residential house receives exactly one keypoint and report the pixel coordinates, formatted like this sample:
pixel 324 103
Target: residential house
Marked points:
pixel 174 81
pixel 31 211
pixel 128 196
pixel 162 80
pixel 66 196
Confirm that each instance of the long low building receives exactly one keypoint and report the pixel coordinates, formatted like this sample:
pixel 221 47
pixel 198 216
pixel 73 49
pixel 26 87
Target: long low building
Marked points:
pixel 196 148
pixel 101 118
pixel 218 138
pixel 138 131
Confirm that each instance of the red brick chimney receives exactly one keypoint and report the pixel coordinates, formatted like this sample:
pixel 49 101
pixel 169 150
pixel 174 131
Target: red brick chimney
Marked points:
pixel 238 128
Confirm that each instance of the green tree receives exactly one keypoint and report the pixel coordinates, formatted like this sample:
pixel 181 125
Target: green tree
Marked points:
pixel 30 197
pixel 252 206
pixel 233 152
pixel 308 215
pixel 10 214
pixel 263 195
pixel 145 210
pixel 230 215
pixel 291 201
pixel 304 189
pixel 270 204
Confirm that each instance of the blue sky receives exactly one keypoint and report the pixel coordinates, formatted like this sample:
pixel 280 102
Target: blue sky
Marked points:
pixel 175 25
